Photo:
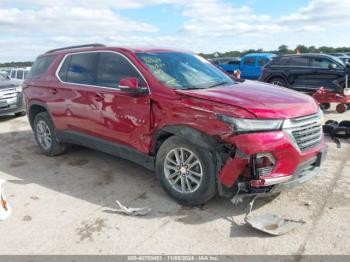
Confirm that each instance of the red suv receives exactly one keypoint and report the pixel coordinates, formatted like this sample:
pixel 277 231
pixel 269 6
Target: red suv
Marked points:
pixel 174 112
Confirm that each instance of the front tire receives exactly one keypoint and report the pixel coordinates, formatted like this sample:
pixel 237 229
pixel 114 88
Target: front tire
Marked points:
pixel 186 171
pixel 45 135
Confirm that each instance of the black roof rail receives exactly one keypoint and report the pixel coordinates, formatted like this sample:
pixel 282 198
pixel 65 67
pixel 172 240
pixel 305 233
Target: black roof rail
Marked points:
pixel 73 47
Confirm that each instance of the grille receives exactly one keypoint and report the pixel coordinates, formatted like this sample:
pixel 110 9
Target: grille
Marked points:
pixel 7 93
pixel 264 171
pixel 306 132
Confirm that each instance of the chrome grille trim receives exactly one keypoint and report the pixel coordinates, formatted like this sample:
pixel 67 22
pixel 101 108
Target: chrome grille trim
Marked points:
pixel 8 93
pixel 305 132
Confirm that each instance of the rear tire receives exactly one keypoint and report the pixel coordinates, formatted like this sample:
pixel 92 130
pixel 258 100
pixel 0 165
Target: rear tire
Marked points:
pixel 45 135
pixel 186 171
pixel 277 81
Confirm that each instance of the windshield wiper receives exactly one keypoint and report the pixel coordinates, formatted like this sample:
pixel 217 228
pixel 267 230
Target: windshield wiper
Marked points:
pixel 218 84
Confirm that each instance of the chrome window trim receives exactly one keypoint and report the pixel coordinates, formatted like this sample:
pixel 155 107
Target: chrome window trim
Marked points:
pixel 98 51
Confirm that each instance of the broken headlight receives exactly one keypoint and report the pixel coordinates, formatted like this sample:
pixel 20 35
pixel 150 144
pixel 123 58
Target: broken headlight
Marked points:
pixel 242 125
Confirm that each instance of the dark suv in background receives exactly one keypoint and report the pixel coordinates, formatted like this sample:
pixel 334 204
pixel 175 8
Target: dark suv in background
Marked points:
pixel 306 72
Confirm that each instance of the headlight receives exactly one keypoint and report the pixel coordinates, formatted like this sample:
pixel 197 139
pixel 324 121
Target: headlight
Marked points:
pixel 250 125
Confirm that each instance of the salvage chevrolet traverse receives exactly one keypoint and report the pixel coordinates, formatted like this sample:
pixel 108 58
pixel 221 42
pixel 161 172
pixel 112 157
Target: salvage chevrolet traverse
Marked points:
pixel 175 113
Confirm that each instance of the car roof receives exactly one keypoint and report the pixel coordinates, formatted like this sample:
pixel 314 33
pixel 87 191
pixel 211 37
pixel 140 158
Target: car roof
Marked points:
pixel 260 54
pixel 308 54
pixel 99 47
pixel 226 57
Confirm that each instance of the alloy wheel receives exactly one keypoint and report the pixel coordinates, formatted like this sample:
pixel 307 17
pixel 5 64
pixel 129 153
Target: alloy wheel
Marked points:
pixel 183 170
pixel 43 134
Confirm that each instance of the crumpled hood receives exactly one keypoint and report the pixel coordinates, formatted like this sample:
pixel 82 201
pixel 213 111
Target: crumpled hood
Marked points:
pixel 263 100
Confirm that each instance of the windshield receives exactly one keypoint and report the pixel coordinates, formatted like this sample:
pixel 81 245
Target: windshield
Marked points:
pixel 339 60
pixel 184 71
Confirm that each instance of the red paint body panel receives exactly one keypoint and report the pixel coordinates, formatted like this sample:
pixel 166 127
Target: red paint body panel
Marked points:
pixel 263 100
pixel 232 170
pixel 122 118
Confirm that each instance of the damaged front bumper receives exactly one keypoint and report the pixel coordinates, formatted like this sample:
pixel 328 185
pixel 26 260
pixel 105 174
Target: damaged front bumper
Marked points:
pixel 304 173
pixel 292 167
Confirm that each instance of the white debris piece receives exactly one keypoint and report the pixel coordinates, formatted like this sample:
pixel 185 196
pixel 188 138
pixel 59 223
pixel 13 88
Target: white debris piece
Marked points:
pixel 271 223
pixel 5 209
pixel 133 211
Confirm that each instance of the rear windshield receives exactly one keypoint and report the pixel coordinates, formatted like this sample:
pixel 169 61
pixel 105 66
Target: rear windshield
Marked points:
pixel 40 66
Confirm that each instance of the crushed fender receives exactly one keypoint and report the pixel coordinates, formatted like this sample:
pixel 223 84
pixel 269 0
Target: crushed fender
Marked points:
pixel 133 211
pixel 270 223
pixel 5 209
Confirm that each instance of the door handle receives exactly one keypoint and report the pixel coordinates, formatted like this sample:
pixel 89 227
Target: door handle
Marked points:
pixel 53 91
pixel 98 97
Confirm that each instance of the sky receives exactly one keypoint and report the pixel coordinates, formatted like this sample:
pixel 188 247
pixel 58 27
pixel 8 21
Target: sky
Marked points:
pixel 31 27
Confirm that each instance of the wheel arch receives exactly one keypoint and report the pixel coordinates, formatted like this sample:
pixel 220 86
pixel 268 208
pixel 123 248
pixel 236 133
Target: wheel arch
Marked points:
pixel 34 108
pixel 190 134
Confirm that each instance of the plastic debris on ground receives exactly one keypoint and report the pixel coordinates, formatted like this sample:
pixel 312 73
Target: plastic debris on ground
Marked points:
pixel 5 209
pixel 133 211
pixel 270 223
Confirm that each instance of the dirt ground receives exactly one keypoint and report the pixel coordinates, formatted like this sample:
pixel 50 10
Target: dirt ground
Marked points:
pixel 65 205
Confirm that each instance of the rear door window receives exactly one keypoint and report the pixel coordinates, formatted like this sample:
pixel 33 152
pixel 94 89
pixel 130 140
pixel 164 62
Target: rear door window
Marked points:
pixel 280 61
pixel 249 61
pixel 82 69
pixel 113 67
pixel 13 74
pixel 40 66
pixel 262 61
pixel 19 74
pixel 299 61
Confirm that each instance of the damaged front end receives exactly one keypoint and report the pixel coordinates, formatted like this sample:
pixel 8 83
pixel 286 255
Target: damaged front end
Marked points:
pixel 269 161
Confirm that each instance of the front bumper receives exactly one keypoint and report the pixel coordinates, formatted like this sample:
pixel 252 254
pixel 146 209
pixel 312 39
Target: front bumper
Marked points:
pixel 304 173
pixel 292 168
pixel 12 105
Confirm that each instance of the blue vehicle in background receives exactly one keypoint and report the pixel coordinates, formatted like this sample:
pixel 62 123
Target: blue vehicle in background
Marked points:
pixel 250 65
pixel 229 64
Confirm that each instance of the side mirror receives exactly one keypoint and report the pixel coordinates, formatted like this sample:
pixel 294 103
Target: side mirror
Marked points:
pixel 131 86
pixel 332 66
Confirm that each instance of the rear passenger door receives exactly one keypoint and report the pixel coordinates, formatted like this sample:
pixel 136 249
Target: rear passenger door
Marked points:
pixel 78 77
pixel 124 118
pixel 299 72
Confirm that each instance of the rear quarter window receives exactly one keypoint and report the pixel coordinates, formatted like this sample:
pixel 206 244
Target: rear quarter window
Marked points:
pixel 40 67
